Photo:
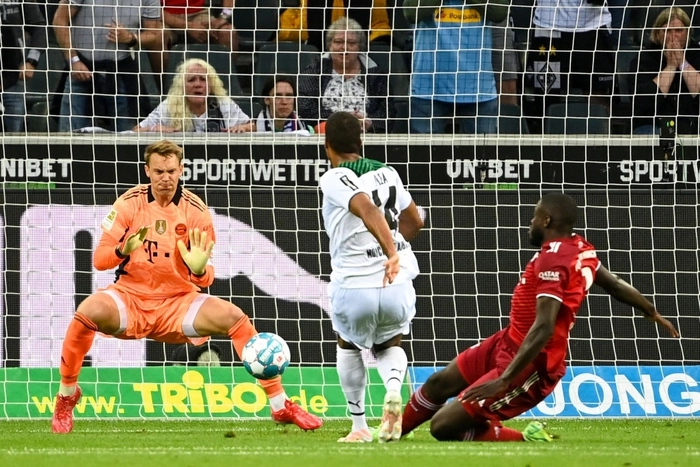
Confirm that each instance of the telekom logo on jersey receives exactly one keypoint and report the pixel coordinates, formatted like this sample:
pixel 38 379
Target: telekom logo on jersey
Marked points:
pixel 47 275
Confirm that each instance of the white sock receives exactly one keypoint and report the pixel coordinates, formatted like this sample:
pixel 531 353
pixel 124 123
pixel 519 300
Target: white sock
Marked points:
pixel 66 391
pixel 277 402
pixel 353 380
pixel 392 364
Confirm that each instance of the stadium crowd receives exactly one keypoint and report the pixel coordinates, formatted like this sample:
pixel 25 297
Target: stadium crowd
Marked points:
pixel 551 66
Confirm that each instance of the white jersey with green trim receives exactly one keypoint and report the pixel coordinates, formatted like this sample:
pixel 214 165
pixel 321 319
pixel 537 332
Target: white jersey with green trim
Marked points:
pixel 357 259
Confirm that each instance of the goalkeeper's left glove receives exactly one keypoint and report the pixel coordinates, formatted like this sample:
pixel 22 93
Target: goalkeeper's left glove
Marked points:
pixel 133 242
pixel 198 255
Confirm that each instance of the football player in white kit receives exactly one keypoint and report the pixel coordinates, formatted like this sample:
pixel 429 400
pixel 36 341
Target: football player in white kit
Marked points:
pixel 370 218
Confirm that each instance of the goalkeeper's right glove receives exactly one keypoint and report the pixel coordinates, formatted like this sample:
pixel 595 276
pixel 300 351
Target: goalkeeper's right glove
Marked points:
pixel 199 253
pixel 134 241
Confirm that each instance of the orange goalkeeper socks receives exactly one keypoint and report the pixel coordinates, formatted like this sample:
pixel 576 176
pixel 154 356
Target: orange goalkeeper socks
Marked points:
pixel 78 341
pixel 240 333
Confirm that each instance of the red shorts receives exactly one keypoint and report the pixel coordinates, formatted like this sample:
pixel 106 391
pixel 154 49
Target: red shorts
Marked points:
pixel 167 320
pixel 489 359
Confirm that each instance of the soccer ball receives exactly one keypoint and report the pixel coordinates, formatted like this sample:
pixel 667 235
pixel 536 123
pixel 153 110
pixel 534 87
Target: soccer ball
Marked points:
pixel 266 355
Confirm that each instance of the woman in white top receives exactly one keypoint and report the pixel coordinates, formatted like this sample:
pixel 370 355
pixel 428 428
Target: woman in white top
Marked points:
pixel 278 114
pixel 345 79
pixel 197 102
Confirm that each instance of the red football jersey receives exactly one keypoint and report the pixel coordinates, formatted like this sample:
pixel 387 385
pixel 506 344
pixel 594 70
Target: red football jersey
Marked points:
pixel 564 269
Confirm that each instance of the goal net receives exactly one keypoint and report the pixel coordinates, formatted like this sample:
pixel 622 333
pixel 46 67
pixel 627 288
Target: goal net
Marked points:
pixel 638 205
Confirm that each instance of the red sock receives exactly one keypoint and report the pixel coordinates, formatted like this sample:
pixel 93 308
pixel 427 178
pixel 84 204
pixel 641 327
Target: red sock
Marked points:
pixel 240 333
pixel 419 409
pixel 79 338
pixel 497 432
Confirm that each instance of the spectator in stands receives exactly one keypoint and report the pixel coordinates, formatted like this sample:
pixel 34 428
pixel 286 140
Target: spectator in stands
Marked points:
pixel 197 102
pixel 452 76
pixel 691 7
pixel 345 79
pixel 293 23
pixel 571 52
pixel 629 18
pixel 371 15
pixel 506 64
pixel 96 37
pixel 189 20
pixel 667 78
pixel 278 114
pixel 23 41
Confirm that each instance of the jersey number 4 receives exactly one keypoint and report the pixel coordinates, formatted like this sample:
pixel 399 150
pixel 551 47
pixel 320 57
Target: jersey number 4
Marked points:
pixel 390 212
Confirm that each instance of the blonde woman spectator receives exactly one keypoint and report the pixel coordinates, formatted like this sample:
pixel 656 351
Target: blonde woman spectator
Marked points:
pixel 667 78
pixel 197 102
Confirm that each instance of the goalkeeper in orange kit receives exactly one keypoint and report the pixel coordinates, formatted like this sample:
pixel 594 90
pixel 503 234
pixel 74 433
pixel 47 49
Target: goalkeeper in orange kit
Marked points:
pixel 160 236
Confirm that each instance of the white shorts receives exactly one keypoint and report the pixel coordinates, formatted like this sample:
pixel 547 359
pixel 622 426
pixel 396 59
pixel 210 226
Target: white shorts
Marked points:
pixel 365 317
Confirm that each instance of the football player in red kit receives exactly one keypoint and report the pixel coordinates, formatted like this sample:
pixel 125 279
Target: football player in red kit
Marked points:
pixel 516 368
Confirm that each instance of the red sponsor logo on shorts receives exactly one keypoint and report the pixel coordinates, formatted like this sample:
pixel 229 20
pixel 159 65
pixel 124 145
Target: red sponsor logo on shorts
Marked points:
pixel 180 229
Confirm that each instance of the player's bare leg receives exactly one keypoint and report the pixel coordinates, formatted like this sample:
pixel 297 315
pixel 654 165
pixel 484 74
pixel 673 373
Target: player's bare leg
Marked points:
pixel 98 312
pixel 216 317
pixel 392 364
pixel 353 380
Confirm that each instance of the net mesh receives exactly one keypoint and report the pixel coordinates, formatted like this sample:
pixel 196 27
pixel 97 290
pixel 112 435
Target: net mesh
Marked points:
pixel 637 197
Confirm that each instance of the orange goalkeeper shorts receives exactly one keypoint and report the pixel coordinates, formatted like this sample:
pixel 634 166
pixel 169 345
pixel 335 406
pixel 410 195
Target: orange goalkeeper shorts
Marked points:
pixel 169 320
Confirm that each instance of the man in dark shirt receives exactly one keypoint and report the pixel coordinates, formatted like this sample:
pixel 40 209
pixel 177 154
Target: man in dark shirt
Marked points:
pixel 19 22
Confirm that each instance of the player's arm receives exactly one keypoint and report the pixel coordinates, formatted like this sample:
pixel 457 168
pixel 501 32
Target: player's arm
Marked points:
pixel 410 222
pixel 535 340
pixel 105 256
pixel 110 252
pixel 118 240
pixel 537 337
pixel 363 207
pixel 625 293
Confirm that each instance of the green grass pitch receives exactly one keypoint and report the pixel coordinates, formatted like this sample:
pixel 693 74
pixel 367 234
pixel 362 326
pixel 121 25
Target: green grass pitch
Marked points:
pixel 622 443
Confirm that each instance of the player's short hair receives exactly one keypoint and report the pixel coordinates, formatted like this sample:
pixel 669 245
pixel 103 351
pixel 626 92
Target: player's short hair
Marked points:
pixel 562 208
pixel 163 148
pixel 343 133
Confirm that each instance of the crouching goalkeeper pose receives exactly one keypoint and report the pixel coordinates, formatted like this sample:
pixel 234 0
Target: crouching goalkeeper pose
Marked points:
pixel 160 236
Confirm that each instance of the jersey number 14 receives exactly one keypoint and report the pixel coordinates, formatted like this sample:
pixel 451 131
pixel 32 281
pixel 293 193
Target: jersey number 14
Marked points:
pixel 390 212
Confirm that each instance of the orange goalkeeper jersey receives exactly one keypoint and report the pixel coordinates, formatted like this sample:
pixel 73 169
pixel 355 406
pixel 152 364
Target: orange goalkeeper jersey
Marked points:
pixel 156 269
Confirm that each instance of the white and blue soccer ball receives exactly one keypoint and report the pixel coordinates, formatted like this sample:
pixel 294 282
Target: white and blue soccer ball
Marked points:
pixel 266 355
